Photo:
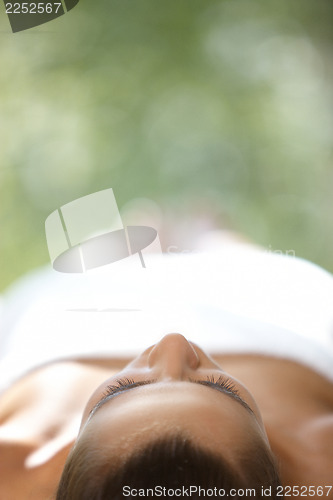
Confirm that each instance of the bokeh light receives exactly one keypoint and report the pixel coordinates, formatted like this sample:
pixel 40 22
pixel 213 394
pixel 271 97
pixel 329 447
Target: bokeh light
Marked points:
pixel 224 104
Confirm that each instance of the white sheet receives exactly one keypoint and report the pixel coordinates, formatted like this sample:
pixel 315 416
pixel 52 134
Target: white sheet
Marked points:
pixel 237 299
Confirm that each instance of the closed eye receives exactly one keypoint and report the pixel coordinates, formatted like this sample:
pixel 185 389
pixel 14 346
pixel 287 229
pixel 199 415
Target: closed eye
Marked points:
pixel 222 384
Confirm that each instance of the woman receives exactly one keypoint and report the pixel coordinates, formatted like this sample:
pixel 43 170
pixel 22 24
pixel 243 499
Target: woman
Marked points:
pixel 258 411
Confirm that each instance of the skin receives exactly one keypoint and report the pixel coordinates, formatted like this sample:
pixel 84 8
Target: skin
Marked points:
pixel 296 404
pixel 40 416
pixel 173 401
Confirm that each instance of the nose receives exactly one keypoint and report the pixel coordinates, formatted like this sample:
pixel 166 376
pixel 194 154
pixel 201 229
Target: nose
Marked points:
pixel 173 357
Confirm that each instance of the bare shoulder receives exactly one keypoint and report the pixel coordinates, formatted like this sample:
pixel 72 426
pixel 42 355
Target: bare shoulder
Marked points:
pixel 306 457
pixel 18 482
pixel 35 412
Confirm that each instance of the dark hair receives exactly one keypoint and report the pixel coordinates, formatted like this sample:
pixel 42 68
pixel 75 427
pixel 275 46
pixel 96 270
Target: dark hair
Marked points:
pixel 171 463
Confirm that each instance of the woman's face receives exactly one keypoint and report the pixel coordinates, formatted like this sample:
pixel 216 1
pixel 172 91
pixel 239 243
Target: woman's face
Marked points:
pixel 172 386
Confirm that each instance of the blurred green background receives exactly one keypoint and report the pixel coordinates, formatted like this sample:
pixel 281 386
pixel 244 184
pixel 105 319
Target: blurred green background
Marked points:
pixel 225 103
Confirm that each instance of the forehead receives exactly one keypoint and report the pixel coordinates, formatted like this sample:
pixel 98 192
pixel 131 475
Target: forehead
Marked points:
pixel 150 412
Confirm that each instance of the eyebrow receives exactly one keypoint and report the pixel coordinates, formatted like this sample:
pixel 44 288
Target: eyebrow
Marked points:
pixel 205 383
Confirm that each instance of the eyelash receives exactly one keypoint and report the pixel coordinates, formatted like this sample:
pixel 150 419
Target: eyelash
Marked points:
pixel 123 384
pixel 127 383
pixel 221 382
